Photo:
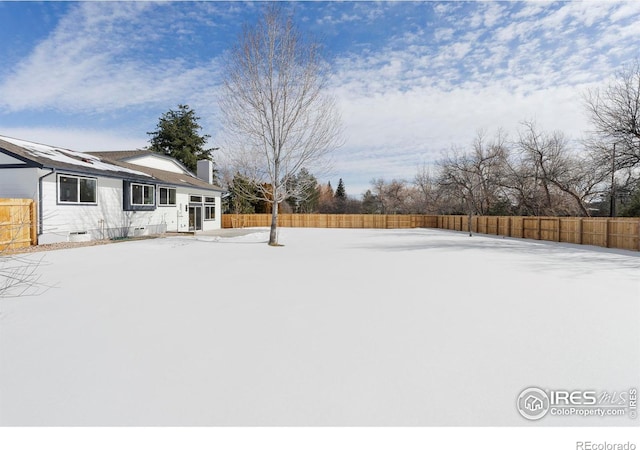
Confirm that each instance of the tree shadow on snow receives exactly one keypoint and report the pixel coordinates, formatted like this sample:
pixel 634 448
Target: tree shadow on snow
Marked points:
pixel 548 255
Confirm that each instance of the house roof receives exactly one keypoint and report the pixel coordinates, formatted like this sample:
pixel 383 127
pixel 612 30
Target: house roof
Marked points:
pixel 130 156
pixel 180 179
pixel 108 164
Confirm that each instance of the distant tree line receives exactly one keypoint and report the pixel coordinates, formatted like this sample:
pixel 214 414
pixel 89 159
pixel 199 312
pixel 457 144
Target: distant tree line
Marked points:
pixel 307 196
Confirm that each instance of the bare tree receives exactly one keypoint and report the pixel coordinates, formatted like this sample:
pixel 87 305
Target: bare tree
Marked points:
pixel 425 196
pixel 397 195
pixel 615 115
pixel 551 179
pixel 276 114
pixel 379 192
pixel 474 178
pixel 393 197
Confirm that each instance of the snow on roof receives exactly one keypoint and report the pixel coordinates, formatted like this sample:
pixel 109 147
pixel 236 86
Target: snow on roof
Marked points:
pixel 68 156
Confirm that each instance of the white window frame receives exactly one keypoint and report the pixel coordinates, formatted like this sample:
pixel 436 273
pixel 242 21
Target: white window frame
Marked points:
pixel 209 207
pixel 143 185
pixel 168 189
pixel 79 201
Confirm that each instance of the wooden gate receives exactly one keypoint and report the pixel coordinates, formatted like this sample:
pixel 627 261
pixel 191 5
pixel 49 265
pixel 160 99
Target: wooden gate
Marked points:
pixel 17 223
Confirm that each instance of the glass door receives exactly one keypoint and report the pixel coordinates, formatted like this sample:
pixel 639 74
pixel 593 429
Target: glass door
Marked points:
pixel 195 218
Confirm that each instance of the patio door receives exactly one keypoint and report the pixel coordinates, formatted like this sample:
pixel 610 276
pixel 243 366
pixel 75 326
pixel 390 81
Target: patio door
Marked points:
pixel 195 218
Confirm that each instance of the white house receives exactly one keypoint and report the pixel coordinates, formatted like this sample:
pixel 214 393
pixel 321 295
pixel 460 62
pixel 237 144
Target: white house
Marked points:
pixel 82 196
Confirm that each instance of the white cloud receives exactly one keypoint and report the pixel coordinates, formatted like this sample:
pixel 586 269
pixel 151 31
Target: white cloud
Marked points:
pixel 626 10
pixel 443 34
pixel 84 65
pixel 492 14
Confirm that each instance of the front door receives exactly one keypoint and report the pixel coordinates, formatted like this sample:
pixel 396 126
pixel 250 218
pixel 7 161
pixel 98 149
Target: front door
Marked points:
pixel 195 218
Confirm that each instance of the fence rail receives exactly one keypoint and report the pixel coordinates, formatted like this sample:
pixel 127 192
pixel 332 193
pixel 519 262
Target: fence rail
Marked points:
pixel 330 220
pixel 620 232
pixel 17 223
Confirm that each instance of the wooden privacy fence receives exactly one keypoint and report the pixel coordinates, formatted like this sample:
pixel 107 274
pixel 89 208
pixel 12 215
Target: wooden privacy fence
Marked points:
pixel 619 232
pixel 330 220
pixel 623 233
pixel 17 223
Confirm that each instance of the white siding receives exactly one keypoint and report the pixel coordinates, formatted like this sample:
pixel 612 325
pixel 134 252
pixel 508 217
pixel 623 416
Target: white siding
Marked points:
pixel 207 225
pixel 156 162
pixel 107 219
pixel 6 159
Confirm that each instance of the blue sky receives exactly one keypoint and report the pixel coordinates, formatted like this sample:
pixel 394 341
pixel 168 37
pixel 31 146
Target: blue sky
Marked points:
pixel 412 79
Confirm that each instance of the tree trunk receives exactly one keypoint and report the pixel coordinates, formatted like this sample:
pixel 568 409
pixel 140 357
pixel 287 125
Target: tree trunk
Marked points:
pixel 273 235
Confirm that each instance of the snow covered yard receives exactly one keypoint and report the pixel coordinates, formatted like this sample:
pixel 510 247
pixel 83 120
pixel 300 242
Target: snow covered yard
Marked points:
pixel 338 327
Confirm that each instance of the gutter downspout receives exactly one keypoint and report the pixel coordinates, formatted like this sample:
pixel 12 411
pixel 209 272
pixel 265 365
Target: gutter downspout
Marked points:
pixel 40 205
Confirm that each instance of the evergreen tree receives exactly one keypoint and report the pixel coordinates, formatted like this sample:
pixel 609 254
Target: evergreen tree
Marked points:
pixel 177 135
pixel 341 193
pixel 309 197
pixel 631 208
pixel 305 194
pixel 370 203
pixel 340 198
pixel 239 199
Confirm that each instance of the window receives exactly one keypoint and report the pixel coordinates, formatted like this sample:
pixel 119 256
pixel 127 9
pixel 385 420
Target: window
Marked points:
pixel 210 208
pixel 142 194
pixel 77 189
pixel 167 196
pixel 138 196
pixel 195 199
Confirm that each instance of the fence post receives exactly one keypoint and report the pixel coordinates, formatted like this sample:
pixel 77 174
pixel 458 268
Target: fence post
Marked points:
pixel 575 226
pixel 580 231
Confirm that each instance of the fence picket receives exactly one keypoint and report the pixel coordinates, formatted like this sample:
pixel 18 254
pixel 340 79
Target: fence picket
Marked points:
pixel 619 232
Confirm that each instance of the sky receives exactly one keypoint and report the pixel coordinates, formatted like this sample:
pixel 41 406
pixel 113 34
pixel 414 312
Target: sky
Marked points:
pixel 411 79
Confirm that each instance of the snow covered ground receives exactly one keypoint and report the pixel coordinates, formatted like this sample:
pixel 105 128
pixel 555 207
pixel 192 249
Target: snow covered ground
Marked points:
pixel 338 327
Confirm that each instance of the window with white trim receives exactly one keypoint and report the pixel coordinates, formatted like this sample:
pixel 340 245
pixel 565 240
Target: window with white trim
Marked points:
pixel 209 208
pixel 77 190
pixel 142 194
pixel 167 196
